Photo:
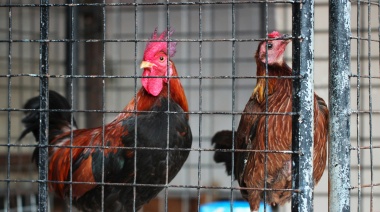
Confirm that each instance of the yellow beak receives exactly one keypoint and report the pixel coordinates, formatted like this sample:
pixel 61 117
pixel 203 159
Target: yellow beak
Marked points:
pixel 146 64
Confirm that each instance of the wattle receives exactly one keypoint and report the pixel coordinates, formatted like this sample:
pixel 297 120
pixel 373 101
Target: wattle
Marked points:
pixel 152 85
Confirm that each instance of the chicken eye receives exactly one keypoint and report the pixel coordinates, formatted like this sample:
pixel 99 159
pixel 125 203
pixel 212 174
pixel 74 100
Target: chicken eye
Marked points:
pixel 270 46
pixel 162 58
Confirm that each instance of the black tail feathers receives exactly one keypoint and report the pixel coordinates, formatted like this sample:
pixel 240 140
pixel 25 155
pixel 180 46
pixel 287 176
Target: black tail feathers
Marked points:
pixel 57 119
pixel 223 140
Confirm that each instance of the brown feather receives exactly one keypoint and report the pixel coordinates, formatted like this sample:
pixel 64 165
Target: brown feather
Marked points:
pixel 60 157
pixel 88 157
pixel 251 135
pixel 145 100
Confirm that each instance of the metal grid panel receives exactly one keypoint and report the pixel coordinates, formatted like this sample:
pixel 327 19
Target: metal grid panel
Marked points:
pixel 202 11
pixel 216 39
pixel 365 105
pixel 355 34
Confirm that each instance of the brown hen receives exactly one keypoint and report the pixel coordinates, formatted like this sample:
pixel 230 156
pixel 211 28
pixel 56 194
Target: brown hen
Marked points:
pixel 249 168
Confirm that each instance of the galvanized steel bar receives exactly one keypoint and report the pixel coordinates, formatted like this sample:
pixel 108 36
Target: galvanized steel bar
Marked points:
pixel 200 90
pixel 44 106
pixel 71 69
pixel 7 205
pixel 359 100
pixel 303 101
pixel 339 104
pixel 233 95
pixel 371 140
pixel 72 52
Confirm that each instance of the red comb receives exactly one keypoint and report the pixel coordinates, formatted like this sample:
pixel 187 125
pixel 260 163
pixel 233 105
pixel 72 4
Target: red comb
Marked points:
pixel 274 34
pixel 159 43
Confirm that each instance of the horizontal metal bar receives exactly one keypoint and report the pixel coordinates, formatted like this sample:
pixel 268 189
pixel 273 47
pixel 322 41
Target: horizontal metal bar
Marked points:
pixel 133 4
pixel 366 186
pixel 118 88
pixel 150 112
pixel 151 185
pixel 365 76
pixel 176 77
pixel 365 2
pixel 364 39
pixel 374 112
pixel 365 111
pixel 128 40
pixel 198 149
pixel 140 76
pixel 365 147
pixel 152 148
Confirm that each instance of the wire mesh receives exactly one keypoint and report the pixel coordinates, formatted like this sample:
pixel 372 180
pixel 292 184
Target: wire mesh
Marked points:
pixel 364 85
pixel 93 56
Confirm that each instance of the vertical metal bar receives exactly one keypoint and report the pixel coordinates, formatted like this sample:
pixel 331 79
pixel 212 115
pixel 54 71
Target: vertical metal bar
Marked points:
pixel 339 103
pixel 295 125
pixel 303 104
pixel 44 106
pixel 103 82
pixel 233 10
pixel 370 103
pixel 168 114
pixel 359 127
pixel 185 52
pixel 8 195
pixel 266 107
pixel 200 106
pixel 135 109
pixel 71 69
pixel 71 50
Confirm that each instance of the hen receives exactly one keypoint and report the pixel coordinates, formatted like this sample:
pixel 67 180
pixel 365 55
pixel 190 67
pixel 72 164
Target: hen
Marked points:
pixel 159 130
pixel 249 167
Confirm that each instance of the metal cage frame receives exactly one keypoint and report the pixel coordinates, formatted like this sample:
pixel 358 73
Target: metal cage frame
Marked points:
pixel 340 38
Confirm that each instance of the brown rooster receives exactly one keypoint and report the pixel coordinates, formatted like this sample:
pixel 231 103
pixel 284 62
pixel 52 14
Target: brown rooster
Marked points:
pixel 249 167
pixel 107 154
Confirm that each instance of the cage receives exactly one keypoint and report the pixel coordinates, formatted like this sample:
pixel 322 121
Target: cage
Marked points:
pixel 90 52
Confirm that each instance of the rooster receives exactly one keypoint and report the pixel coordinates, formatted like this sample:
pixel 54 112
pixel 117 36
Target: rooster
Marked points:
pixel 159 129
pixel 249 167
